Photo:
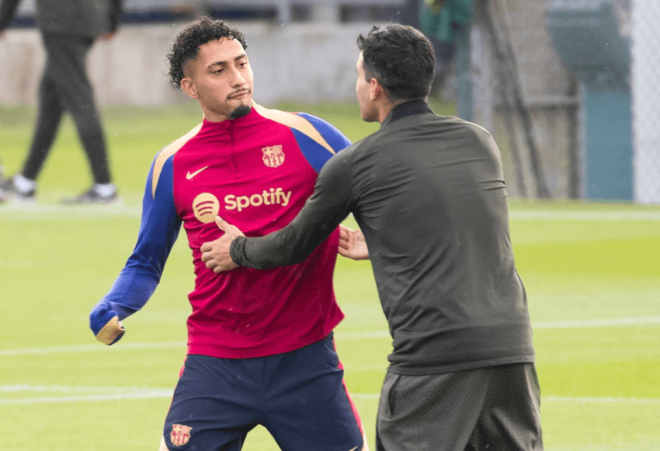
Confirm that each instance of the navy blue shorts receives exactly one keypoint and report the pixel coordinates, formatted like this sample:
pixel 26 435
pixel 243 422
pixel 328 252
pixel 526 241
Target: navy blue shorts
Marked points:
pixel 299 397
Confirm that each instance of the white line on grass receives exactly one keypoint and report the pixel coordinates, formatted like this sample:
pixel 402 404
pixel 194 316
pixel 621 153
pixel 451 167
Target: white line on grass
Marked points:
pixel 551 215
pixel 67 389
pixel 40 212
pixel 36 212
pixel 588 323
pixel 598 400
pixel 118 393
pixel 621 322
pixel 99 397
pixel 90 348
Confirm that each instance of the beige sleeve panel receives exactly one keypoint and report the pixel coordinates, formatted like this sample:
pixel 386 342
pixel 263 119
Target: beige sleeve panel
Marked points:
pixel 294 121
pixel 168 152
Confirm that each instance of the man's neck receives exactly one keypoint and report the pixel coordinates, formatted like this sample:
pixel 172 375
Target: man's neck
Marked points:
pixel 384 110
pixel 406 108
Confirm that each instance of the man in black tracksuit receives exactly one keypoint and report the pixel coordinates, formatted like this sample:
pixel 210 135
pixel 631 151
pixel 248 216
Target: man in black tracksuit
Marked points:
pixel 68 28
pixel 429 196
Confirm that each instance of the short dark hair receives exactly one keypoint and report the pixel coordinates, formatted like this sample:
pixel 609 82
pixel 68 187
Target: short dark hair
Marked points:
pixel 401 58
pixel 186 45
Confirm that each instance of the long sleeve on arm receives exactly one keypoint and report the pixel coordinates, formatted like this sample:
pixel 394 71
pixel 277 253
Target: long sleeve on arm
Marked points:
pixel 331 202
pixel 7 10
pixel 137 281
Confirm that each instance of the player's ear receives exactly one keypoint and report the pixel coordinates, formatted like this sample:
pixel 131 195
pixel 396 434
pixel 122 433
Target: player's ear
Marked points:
pixel 189 87
pixel 375 89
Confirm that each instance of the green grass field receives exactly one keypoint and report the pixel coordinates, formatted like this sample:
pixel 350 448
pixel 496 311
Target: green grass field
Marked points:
pixel 592 273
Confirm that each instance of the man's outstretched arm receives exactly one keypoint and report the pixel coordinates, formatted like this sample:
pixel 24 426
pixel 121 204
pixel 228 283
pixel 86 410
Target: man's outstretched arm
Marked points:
pixel 331 202
pixel 140 276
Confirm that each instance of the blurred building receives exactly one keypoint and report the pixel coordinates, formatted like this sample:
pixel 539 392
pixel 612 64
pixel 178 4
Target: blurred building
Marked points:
pixel 280 33
pixel 306 50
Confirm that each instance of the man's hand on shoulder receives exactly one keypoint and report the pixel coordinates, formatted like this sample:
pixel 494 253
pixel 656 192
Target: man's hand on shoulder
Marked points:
pixel 215 254
pixel 352 244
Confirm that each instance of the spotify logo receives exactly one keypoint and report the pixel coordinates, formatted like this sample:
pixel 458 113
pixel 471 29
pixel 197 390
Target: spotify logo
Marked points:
pixel 206 207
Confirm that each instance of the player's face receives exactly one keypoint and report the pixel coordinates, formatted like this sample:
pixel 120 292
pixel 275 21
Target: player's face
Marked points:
pixel 363 93
pixel 220 78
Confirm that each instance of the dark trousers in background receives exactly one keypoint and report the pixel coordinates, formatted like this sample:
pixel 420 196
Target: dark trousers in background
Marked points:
pixel 66 87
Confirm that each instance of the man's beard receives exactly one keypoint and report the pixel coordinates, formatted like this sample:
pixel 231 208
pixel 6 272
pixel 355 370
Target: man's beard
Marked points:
pixel 240 111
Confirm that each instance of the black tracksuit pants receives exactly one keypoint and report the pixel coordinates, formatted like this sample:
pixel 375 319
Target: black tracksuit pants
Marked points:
pixel 66 87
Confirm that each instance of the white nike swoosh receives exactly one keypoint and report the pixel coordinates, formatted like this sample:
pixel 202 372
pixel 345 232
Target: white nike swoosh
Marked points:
pixel 189 175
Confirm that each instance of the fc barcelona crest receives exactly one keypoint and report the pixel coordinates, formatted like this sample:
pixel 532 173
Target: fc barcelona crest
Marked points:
pixel 273 156
pixel 180 434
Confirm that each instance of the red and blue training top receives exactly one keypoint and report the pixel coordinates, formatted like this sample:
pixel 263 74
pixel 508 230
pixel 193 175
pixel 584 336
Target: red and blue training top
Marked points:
pixel 256 172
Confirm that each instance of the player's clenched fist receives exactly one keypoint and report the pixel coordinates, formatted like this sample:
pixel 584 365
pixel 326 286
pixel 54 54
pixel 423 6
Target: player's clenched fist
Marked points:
pixel 105 324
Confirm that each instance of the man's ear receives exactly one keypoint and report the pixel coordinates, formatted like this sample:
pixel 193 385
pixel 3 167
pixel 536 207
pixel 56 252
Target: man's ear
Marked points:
pixel 375 89
pixel 189 87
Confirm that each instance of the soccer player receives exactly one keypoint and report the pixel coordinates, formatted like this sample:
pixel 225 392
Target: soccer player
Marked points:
pixel 428 194
pixel 260 344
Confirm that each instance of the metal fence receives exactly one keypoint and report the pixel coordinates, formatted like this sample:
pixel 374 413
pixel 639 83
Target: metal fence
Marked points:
pixel 646 99
pixel 553 97
pixel 549 93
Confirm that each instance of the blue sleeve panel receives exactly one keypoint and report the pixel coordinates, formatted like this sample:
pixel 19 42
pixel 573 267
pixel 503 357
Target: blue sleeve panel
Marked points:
pixel 316 154
pixel 159 229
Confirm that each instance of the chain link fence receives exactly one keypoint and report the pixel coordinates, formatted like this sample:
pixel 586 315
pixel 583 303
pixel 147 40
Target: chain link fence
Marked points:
pixel 549 92
pixel 646 99
pixel 553 98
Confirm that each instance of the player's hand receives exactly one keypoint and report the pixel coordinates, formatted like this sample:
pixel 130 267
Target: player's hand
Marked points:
pixel 215 254
pixel 105 324
pixel 352 244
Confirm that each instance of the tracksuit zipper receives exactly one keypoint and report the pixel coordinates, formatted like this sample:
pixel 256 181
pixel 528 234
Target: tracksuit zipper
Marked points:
pixel 232 156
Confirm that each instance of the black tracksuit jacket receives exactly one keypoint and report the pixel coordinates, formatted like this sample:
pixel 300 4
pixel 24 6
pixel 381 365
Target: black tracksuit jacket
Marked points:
pixel 429 195
pixel 88 18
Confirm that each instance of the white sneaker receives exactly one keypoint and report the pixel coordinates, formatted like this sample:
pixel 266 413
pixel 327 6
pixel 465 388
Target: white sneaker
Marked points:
pixel 10 190
pixel 92 196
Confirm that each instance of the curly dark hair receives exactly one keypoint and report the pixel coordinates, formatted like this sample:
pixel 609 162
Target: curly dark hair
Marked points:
pixel 186 45
pixel 401 58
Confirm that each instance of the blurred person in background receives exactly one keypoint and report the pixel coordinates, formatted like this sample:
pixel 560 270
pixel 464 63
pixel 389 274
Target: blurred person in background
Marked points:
pixel 416 14
pixel 68 29
pixel 260 344
pixel 429 196
pixel 3 196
